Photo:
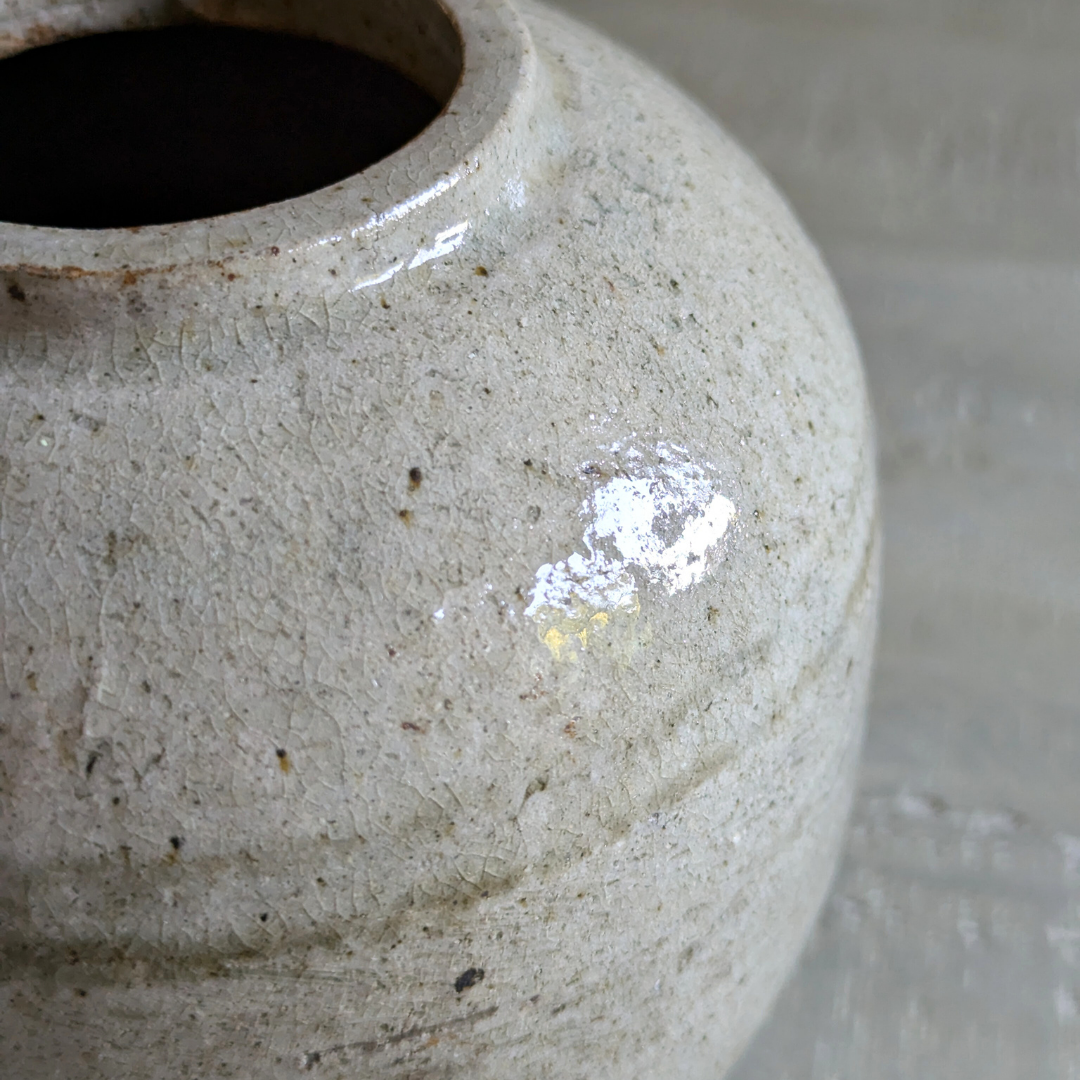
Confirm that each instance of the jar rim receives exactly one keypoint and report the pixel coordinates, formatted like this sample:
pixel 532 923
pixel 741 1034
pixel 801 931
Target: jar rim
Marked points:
pixel 496 66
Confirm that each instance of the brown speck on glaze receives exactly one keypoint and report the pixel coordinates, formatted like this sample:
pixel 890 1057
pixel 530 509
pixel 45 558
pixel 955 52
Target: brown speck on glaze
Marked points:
pixel 468 979
pixel 283 759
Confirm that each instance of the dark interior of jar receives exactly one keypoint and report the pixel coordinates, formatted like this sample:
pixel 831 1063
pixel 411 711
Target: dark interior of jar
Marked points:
pixel 175 123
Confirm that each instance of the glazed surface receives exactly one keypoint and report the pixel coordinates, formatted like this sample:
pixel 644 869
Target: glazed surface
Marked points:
pixel 434 643
pixel 904 133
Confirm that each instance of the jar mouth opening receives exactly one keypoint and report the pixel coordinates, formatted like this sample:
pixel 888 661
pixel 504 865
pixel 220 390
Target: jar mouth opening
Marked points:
pixel 422 39
pixel 455 51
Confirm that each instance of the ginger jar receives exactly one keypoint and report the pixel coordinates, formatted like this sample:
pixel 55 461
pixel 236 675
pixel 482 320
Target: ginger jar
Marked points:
pixel 436 610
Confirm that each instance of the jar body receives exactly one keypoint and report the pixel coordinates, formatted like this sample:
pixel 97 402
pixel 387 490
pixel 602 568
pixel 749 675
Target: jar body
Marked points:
pixel 452 669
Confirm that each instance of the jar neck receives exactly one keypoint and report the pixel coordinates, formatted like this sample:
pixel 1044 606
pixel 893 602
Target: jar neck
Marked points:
pixel 412 206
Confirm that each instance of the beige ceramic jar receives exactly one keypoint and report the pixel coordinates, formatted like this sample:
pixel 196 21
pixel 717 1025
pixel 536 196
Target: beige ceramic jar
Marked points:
pixel 436 611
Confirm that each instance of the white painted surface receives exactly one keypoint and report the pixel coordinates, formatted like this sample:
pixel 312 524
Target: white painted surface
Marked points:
pixel 933 150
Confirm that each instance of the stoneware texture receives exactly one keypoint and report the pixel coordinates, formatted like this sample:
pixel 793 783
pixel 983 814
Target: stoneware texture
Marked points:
pixel 436 611
pixel 932 148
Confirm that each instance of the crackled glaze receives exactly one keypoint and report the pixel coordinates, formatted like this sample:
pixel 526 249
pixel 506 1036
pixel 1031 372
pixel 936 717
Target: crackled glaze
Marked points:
pixel 437 610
